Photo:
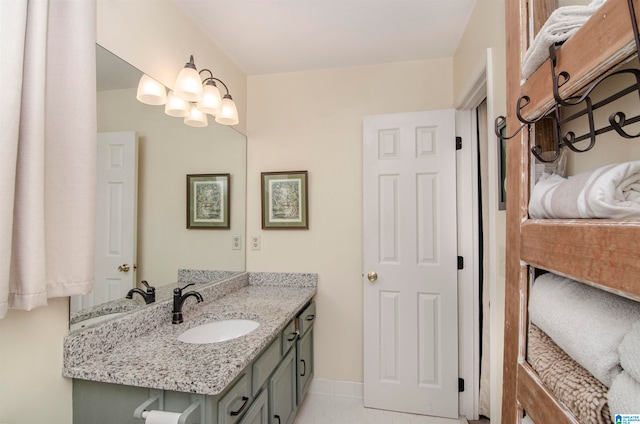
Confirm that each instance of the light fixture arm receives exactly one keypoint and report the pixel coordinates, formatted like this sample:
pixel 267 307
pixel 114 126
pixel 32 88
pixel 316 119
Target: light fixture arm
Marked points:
pixel 212 78
pixel 191 64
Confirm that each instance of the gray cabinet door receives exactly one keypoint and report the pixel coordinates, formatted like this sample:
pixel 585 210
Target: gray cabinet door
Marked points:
pixel 232 405
pixel 282 391
pixel 259 411
pixel 305 364
pixel 104 403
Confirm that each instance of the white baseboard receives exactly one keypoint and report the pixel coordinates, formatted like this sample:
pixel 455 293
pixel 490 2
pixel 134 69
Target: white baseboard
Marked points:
pixel 349 389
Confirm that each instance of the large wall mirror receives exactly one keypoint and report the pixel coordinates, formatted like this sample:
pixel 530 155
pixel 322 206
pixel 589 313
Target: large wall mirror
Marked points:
pixel 167 151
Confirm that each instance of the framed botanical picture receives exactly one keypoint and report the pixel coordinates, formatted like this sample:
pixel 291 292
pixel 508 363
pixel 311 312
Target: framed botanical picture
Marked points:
pixel 208 201
pixel 284 200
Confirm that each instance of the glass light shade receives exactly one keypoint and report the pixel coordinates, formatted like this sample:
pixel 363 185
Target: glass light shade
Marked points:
pixel 151 92
pixel 228 112
pixel 211 100
pixel 188 85
pixel 196 118
pixel 177 107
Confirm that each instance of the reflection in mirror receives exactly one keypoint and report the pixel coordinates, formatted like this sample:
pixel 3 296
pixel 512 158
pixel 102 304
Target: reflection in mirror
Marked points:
pixel 155 245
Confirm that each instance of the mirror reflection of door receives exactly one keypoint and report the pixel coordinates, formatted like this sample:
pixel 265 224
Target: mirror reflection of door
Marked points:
pixel 117 159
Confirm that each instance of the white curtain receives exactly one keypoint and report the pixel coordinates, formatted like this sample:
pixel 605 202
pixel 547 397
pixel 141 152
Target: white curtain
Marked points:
pixel 47 150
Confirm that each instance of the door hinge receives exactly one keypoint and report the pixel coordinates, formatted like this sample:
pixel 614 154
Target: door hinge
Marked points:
pixel 458 143
pixel 461 385
pixel 460 262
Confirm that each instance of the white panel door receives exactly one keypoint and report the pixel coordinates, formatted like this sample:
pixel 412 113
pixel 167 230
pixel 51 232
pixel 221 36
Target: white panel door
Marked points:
pixel 115 219
pixel 410 243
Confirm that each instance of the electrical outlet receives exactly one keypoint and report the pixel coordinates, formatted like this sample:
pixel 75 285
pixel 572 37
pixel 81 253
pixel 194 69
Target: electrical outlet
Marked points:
pixel 236 242
pixel 255 242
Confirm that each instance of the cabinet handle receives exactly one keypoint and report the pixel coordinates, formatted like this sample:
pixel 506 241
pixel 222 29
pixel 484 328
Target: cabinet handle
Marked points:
pixel 304 368
pixel 310 317
pixel 292 337
pixel 239 411
pixel 277 417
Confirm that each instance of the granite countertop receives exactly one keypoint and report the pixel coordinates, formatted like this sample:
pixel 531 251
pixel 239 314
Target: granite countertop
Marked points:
pixel 154 358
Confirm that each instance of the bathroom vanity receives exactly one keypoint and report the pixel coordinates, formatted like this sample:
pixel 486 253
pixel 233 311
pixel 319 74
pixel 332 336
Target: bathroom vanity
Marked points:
pixel 136 363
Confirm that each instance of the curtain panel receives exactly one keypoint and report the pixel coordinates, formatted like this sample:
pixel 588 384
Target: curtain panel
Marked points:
pixel 47 150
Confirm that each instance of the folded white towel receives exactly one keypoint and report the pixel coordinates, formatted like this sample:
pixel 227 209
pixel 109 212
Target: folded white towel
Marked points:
pixel 624 396
pixel 611 191
pixel 630 353
pixel 587 323
pixel 562 24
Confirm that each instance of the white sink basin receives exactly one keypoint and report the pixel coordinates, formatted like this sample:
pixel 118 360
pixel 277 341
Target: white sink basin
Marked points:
pixel 218 331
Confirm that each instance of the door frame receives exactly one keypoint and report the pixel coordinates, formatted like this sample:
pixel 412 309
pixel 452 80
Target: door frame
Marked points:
pixel 468 238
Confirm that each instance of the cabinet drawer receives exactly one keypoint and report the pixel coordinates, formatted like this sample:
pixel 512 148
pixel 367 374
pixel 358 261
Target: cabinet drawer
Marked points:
pixel 306 318
pixel 289 336
pixel 235 402
pixel 265 364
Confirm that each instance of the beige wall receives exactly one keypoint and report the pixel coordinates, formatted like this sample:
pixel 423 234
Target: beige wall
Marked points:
pixel 313 121
pixel 486 30
pixel 32 390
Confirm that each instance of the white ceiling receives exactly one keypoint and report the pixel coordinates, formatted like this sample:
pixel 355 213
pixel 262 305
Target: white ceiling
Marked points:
pixel 272 36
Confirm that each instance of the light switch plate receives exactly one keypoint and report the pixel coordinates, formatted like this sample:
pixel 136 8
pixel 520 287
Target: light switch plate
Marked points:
pixel 255 242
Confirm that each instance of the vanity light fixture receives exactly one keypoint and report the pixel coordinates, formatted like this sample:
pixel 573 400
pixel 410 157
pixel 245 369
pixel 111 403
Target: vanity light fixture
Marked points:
pixel 176 106
pixel 196 117
pixel 151 92
pixel 192 97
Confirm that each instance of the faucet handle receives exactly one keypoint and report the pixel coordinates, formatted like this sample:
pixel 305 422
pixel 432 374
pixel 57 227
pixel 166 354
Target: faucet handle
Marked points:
pixel 178 290
pixel 150 289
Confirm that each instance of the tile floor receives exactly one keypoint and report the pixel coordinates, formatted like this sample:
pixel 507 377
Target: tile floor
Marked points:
pixel 328 409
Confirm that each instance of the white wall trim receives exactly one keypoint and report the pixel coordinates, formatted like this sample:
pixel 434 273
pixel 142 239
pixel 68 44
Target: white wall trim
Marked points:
pixel 346 389
pixel 349 389
pixel 468 243
pixel 468 278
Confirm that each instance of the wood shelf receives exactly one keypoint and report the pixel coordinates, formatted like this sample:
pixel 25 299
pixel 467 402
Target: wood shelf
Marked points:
pixel 605 41
pixel 603 253
pixel 539 402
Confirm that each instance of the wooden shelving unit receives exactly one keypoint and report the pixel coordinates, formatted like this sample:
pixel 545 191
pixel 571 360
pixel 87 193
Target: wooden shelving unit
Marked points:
pixel 603 253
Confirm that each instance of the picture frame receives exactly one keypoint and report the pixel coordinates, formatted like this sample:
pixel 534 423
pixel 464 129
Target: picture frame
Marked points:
pixel 208 201
pixel 502 169
pixel 284 200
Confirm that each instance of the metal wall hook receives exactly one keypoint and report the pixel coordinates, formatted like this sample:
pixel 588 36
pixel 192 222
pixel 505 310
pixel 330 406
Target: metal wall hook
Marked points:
pixel 500 123
pixel 617 120
pixel 537 152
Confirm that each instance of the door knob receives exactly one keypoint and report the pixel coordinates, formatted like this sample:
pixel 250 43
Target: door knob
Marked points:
pixel 124 268
pixel 372 276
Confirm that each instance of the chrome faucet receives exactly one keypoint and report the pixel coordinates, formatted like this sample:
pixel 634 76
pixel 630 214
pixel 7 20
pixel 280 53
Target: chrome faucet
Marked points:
pixel 178 301
pixel 149 296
